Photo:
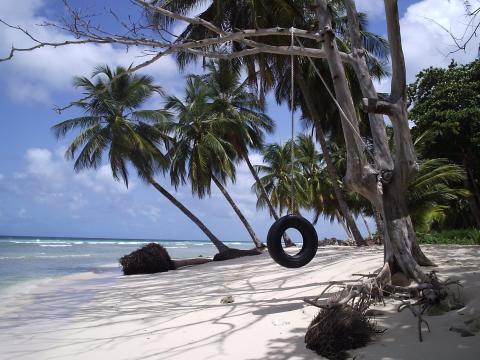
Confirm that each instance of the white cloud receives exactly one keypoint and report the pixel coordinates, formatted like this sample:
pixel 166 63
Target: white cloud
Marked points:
pixel 48 179
pixel 54 173
pixel 426 43
pixel 152 212
pixel 41 164
pixel 101 181
pixel 1 177
pixel 19 10
pixel 35 75
pixel 425 39
pixel 77 201
pixel 371 7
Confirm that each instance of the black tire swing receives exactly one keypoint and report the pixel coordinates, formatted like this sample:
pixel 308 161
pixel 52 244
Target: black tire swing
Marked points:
pixel 306 229
pixel 310 241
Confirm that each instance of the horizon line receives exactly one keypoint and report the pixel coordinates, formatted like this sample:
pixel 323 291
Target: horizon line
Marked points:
pixel 105 238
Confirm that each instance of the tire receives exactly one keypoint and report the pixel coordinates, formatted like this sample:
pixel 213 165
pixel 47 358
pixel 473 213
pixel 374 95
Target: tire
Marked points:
pixel 310 241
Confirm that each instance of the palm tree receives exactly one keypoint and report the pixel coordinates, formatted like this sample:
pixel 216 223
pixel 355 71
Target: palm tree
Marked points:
pixel 320 194
pixel 319 188
pixel 272 69
pixel 277 179
pixel 232 99
pixel 437 184
pixel 202 153
pixel 115 125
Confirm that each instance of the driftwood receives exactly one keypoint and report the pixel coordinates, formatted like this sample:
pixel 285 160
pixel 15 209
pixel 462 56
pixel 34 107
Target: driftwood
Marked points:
pixel 357 294
pixel 235 253
pixel 154 258
pixel 351 303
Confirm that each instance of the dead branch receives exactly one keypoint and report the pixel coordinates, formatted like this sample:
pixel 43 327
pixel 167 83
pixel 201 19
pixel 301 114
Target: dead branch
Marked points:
pixel 470 31
pixel 360 295
pixel 81 27
pixel 189 46
pixel 417 310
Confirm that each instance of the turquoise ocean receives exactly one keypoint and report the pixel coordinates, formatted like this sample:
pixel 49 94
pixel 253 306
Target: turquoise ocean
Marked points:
pixel 25 259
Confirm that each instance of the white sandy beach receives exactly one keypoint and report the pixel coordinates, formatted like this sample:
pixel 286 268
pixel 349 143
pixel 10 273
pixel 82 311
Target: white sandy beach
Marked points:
pixel 178 315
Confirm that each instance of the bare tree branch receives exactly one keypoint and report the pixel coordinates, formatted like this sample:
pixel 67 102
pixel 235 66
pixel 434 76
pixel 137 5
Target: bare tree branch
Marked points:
pixel 375 106
pixel 196 20
pixel 85 32
pixel 470 32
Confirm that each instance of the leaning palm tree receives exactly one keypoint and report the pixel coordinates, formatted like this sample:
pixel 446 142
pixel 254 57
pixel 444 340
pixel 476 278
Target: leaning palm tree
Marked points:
pixel 201 153
pixel 269 71
pixel 115 125
pixel 232 99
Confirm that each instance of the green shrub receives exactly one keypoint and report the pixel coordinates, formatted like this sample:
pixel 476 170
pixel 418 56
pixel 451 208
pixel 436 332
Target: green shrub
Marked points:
pixel 445 237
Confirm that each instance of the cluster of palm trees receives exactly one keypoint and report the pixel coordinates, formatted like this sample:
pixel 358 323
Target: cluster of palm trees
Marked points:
pixel 201 138
pixel 196 140
pixel 437 184
pixel 311 187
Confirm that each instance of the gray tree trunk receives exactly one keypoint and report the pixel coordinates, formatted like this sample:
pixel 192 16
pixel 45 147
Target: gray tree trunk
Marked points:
pixel 189 262
pixel 379 224
pixel 221 247
pixel 384 184
pixel 251 232
pixel 345 211
pixel 286 239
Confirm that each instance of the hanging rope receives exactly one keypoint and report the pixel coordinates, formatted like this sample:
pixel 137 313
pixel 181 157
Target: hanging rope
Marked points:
pixel 292 107
pixel 340 109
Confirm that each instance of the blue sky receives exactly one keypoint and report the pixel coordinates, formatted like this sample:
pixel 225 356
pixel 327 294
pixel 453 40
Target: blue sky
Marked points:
pixel 40 195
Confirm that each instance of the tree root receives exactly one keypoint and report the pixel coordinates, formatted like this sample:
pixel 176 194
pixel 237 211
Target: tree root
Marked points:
pixel 418 309
pixel 336 330
pixel 428 296
pixel 359 295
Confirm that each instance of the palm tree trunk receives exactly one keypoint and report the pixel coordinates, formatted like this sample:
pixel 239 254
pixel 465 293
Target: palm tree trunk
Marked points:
pixel 345 211
pixel 366 225
pixel 188 262
pixel 341 220
pixel 251 232
pixel 286 239
pixel 221 247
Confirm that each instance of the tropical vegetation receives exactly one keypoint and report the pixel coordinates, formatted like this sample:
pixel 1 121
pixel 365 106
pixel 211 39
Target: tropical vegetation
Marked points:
pixel 202 138
pixel 211 133
pixel 116 126
pixel 446 113
pixel 450 237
